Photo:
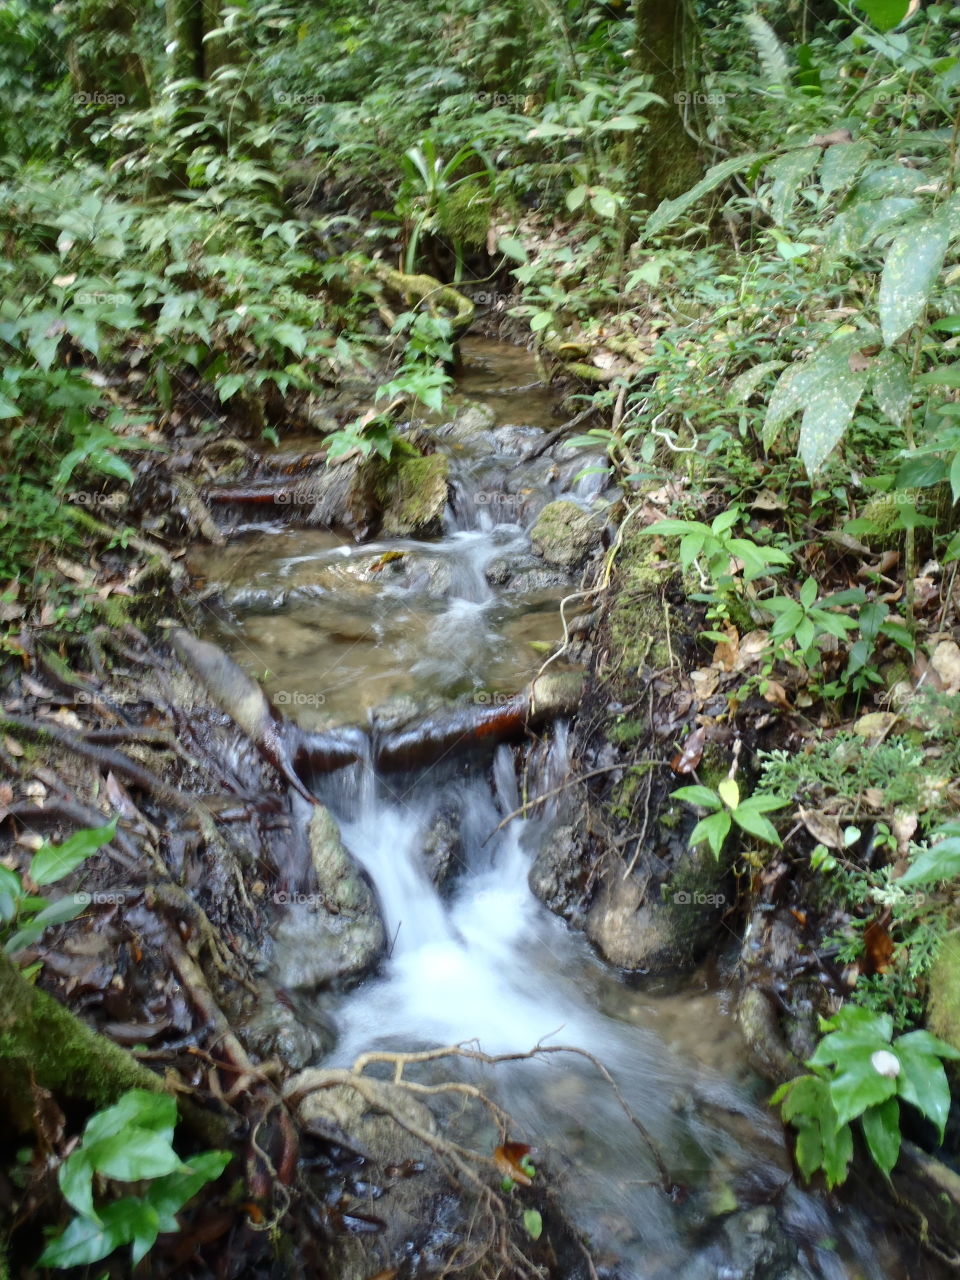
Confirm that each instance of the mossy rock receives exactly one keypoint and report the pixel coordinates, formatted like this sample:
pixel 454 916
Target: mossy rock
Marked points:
pixel 410 492
pixel 943 1001
pixel 636 621
pixel 564 534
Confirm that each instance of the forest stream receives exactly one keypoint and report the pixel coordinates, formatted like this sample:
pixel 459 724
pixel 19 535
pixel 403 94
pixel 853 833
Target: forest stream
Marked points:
pixel 478 960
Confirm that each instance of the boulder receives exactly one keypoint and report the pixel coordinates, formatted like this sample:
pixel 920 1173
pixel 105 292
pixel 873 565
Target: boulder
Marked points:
pixel 335 936
pixel 633 932
pixel 564 534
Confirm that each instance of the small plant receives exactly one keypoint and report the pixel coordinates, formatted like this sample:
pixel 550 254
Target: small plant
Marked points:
pixel 514 1162
pixel 726 808
pixel 720 548
pixel 23 915
pixel 860 1072
pixel 132 1141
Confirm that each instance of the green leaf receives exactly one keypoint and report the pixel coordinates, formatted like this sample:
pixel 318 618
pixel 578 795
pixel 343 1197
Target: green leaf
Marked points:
pixel 701 796
pixel 52 862
pixel 842 163
pixel 132 1155
pixel 939 862
pixel 137 1108
pixel 512 248
pixel 946 375
pixel 75 1177
pixel 668 211
pixel 923 1083
pixel 830 404
pixel 533 1223
pixel 912 265
pixel 576 197
pixel 714 830
pixel 881 1128
pixel 857 1084
pixel 59 912
pixel 787 172
pixel 604 203
pixel 884 14
pixel 229 386
pixel 755 824
pixel 170 1193
pixel 292 337
pixel 84 1241
pixel 745 384
pixel 837 1152
pixel 891 384
pixel 729 792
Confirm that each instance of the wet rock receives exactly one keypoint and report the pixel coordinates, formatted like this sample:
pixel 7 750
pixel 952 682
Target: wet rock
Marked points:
pixel 555 693
pixel 410 492
pixel 472 422
pixel 558 874
pixel 276 1031
pixel 513 439
pixel 443 848
pixel 523 572
pixel 769 1051
pixel 334 937
pixel 634 933
pixel 564 534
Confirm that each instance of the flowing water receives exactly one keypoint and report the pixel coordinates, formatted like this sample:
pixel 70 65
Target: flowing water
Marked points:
pixel 487 963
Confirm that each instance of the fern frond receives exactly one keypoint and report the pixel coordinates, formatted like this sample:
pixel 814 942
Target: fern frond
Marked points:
pixel 773 57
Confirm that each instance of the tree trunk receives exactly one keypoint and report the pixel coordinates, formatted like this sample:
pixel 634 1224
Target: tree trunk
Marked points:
pixel 664 48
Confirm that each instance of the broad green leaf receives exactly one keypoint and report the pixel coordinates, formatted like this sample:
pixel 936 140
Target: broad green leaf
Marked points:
pixel 229 386
pixel 912 265
pixel 939 862
pixel 84 1241
pixel 946 375
pixel 137 1108
pixel 926 1042
pixel 714 830
pixel 755 824
pixel 132 1155
pixel 75 1177
pixel 512 248
pixel 170 1193
pixel 891 386
pixel 841 164
pixel 809 1148
pixel 881 1128
pixel 923 1083
pixel 604 203
pixel 701 796
pixel 884 14
pixel 668 211
pixel 745 384
pixel 829 406
pixel 59 912
pixel 787 172
pixel 857 1084
pixel 52 862
pixel 837 1152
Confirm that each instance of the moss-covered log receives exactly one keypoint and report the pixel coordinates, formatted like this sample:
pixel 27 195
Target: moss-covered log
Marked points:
pixel 42 1043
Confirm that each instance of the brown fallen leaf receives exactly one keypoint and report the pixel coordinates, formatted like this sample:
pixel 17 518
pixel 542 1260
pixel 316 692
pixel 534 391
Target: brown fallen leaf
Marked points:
pixel 877 949
pixel 507 1158
pixel 725 653
pixel 704 682
pixel 824 827
pixel 775 693
pixel 686 761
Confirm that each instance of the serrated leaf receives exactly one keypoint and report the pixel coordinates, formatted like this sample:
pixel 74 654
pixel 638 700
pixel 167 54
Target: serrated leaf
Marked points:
pixel 881 1128
pixel 912 265
pixel 857 1084
pixel 923 1083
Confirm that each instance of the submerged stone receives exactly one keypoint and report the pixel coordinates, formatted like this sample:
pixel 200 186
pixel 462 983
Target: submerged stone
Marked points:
pixel 564 534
